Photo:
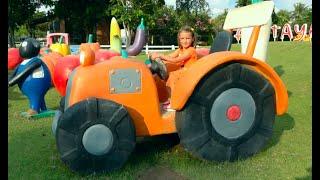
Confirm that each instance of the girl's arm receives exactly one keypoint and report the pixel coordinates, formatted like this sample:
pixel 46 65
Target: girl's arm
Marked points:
pixel 175 59
pixel 158 55
pixel 173 54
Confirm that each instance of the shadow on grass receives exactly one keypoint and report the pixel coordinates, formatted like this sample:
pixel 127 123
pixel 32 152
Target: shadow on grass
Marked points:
pixel 53 108
pixel 156 143
pixel 146 155
pixel 14 95
pixel 39 141
pixel 281 124
pixel 307 177
pixel 146 151
pixel 147 148
pixel 159 173
pixel 279 70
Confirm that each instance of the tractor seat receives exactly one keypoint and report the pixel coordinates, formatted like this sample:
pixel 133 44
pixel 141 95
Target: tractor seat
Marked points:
pixel 222 42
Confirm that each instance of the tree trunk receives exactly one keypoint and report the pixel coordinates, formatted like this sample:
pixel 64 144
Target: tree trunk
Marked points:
pixel 29 29
pixel 11 37
pixel 126 29
pixel 128 35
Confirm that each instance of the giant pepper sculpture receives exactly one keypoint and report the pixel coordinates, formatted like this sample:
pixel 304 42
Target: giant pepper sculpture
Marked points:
pixel 60 47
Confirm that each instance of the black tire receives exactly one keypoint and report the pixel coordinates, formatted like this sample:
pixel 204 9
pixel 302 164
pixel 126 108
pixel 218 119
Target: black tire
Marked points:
pixel 92 112
pixel 62 103
pixel 57 115
pixel 206 130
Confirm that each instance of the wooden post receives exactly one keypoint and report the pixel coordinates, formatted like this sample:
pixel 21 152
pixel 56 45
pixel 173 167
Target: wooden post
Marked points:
pixel 147 49
pixel 253 40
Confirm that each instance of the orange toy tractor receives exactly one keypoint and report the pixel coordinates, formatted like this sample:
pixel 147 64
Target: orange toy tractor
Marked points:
pixel 224 104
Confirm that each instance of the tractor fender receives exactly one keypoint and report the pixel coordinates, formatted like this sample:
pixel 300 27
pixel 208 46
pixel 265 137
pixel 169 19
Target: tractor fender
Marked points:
pixel 187 79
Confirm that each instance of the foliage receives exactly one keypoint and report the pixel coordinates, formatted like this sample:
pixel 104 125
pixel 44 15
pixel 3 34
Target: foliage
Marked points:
pixel 21 31
pixel 219 21
pixel 189 6
pixel 195 13
pixel 190 12
pixel 166 28
pixel 283 17
pixel 204 28
pixel 81 16
pixel 241 3
pixel 301 14
pixel 129 13
pixel 22 12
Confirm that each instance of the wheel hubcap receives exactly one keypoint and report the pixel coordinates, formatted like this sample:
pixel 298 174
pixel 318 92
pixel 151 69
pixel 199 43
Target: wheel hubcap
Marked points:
pixel 97 139
pixel 233 113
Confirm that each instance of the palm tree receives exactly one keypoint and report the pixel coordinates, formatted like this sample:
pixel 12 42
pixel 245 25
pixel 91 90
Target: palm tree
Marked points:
pixel 298 15
pixel 241 3
pixel 283 17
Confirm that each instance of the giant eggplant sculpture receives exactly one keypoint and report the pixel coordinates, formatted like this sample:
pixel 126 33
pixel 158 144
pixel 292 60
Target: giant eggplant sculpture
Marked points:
pixel 139 40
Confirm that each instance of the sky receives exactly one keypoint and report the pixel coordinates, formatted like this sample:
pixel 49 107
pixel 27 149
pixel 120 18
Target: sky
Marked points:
pixel 217 6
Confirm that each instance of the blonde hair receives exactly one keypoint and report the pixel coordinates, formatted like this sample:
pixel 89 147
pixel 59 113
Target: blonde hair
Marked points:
pixel 190 30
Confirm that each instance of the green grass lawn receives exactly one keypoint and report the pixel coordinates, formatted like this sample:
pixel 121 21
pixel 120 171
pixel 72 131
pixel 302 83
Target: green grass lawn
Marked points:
pixel 33 153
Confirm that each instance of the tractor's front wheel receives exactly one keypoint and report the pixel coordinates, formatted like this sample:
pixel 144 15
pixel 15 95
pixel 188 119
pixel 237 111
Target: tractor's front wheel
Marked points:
pixel 229 116
pixel 95 135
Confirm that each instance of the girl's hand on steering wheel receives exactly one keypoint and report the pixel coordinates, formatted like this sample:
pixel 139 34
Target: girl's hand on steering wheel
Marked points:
pixel 155 56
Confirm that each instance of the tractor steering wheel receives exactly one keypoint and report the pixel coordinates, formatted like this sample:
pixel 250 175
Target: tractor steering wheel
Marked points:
pixel 159 67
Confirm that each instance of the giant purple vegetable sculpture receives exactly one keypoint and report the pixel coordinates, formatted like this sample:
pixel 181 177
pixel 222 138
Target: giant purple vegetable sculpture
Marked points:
pixel 139 40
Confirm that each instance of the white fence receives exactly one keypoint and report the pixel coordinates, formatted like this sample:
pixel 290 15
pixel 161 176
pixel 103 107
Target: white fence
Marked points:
pixel 42 44
pixel 148 48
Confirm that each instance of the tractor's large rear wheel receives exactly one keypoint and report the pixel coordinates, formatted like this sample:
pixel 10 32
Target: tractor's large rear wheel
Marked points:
pixel 229 116
pixel 95 135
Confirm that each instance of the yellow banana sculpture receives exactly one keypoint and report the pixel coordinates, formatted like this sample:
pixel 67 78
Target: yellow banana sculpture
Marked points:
pixel 116 44
pixel 114 31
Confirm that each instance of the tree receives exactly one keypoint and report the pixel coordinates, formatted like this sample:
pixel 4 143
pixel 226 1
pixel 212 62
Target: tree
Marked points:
pixel 301 14
pixel 200 6
pixel 166 28
pixel 81 16
pixel 189 6
pixel 241 3
pixel 283 17
pixel 308 16
pixel 219 21
pixel 130 12
pixel 20 13
pixel 191 12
